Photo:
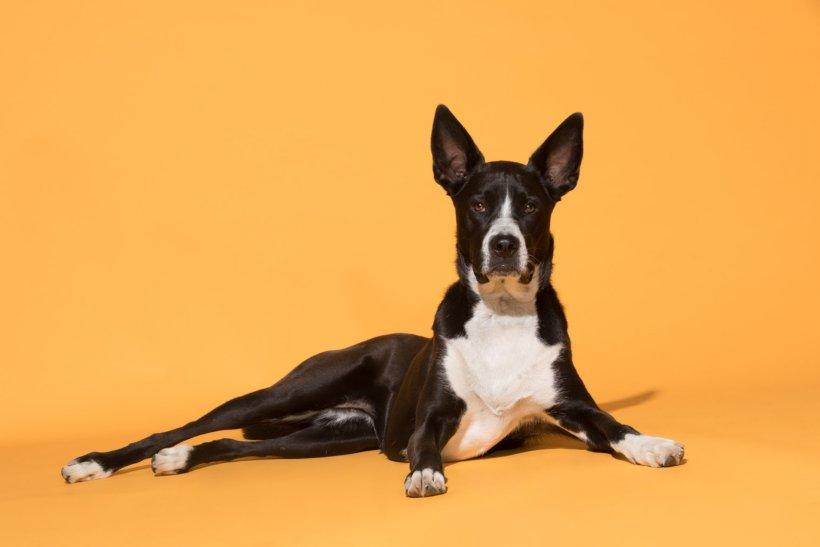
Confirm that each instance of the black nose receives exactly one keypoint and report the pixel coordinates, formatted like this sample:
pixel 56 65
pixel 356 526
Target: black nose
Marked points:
pixel 504 246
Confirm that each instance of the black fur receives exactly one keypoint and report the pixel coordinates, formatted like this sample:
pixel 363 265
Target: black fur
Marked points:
pixel 406 406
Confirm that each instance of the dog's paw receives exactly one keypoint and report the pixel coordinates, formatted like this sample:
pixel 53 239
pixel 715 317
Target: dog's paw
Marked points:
pixel 171 461
pixel 84 468
pixel 651 451
pixel 420 484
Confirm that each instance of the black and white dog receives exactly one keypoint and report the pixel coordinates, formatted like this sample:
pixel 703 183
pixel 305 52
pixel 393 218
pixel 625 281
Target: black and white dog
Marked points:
pixel 498 363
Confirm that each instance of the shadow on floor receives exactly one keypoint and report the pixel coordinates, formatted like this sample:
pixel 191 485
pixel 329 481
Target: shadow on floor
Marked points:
pixel 632 400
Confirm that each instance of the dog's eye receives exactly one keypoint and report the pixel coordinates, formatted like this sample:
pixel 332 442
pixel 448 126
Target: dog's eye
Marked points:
pixel 479 207
pixel 529 207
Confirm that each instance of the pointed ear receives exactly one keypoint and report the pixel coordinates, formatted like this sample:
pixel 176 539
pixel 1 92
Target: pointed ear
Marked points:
pixel 455 154
pixel 558 160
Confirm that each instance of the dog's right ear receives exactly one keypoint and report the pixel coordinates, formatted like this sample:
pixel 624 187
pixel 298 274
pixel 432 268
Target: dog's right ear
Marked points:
pixel 455 154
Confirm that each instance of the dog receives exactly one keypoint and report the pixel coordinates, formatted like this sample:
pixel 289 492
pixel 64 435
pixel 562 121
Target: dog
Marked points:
pixel 498 364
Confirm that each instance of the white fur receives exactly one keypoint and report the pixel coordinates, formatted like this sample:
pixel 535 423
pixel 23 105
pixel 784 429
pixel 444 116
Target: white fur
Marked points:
pixel 504 224
pixel 169 461
pixel 423 483
pixel 502 370
pixel 651 451
pixel 360 405
pixel 341 415
pixel 351 410
pixel 75 471
pixel 300 417
pixel 345 412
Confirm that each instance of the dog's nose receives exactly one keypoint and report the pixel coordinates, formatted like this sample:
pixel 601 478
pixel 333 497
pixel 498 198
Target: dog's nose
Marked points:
pixel 504 246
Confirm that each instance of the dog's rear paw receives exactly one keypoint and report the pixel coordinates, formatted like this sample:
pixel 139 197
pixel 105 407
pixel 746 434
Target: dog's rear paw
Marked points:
pixel 84 468
pixel 171 461
pixel 420 484
pixel 651 451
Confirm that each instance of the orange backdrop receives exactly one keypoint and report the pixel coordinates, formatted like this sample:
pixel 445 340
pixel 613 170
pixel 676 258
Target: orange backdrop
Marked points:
pixel 194 196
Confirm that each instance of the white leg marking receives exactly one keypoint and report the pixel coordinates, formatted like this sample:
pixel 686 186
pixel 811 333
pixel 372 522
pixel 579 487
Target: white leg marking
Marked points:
pixel 426 482
pixel 75 471
pixel 651 451
pixel 169 461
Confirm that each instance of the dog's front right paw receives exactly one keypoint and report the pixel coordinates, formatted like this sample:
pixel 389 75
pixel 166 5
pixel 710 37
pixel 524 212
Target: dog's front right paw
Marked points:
pixel 84 468
pixel 424 483
pixel 651 451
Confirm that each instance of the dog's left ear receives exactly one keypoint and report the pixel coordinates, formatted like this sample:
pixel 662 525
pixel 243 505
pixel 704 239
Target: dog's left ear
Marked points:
pixel 455 154
pixel 558 160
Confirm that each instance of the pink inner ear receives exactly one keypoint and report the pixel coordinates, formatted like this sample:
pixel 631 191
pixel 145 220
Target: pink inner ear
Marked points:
pixel 557 163
pixel 456 158
pixel 456 167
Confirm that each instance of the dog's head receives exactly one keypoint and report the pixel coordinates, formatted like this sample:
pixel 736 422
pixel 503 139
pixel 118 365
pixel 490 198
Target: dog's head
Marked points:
pixel 503 208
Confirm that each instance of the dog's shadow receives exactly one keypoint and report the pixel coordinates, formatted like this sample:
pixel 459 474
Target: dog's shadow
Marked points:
pixel 548 436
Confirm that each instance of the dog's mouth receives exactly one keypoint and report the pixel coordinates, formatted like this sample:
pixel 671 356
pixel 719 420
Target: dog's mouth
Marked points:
pixel 505 270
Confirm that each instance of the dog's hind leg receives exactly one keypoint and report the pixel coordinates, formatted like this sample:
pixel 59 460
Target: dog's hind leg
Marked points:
pixel 271 429
pixel 321 438
pixel 234 414
pixel 323 381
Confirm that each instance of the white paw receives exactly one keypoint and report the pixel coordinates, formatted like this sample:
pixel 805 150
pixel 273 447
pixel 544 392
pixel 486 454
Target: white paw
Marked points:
pixel 170 461
pixel 651 451
pixel 426 482
pixel 75 471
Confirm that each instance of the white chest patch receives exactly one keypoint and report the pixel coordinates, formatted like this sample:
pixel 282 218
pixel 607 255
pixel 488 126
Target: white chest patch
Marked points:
pixel 503 372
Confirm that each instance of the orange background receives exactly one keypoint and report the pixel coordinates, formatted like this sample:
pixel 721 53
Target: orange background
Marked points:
pixel 194 196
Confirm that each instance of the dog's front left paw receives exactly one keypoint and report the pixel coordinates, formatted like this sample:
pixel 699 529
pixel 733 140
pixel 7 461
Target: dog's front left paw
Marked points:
pixel 424 483
pixel 171 461
pixel 84 468
pixel 651 451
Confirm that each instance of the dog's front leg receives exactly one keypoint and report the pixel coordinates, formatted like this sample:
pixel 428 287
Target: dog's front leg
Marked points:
pixel 438 413
pixel 431 412
pixel 426 476
pixel 602 432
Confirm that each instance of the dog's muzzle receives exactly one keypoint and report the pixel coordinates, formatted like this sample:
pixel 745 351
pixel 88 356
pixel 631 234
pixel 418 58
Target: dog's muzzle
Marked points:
pixel 505 256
